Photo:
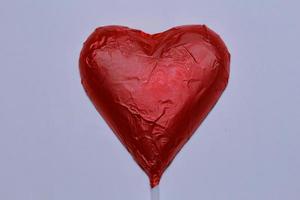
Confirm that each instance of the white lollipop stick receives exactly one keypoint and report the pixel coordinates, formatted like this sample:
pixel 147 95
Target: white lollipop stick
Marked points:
pixel 155 193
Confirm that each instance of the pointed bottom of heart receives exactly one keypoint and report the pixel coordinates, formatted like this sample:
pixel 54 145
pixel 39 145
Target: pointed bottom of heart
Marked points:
pixel 154 180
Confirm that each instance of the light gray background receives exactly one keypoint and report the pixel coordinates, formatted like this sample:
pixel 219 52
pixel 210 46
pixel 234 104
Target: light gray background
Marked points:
pixel 54 145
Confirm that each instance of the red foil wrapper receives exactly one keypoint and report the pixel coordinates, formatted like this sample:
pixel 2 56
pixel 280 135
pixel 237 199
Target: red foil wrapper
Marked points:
pixel 154 90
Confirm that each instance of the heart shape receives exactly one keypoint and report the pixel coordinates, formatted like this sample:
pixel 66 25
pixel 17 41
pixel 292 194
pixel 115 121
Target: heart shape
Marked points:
pixel 154 90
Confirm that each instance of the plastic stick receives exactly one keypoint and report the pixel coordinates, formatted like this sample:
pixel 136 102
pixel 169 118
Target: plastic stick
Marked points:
pixel 155 193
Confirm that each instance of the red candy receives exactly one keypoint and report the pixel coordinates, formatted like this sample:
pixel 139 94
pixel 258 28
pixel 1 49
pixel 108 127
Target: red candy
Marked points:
pixel 154 90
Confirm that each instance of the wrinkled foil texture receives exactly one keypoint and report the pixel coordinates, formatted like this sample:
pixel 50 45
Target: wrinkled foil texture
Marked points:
pixel 154 90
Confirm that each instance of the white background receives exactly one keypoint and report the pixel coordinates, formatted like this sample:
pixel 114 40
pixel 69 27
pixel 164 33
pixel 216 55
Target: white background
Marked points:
pixel 55 146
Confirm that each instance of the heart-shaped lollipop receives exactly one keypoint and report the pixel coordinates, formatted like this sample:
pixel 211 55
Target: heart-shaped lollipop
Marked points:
pixel 154 90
